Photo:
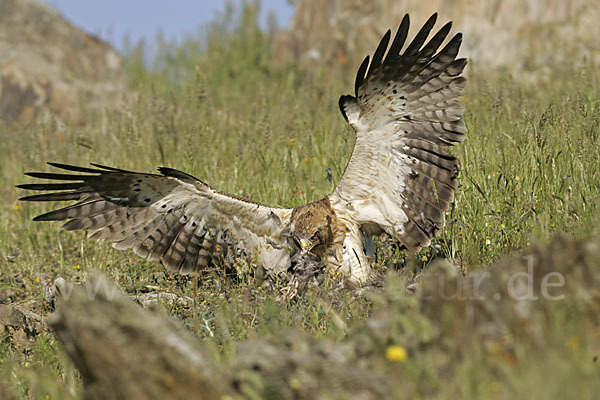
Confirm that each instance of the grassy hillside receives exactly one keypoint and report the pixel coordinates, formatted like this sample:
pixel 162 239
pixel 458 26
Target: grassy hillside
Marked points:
pixel 218 108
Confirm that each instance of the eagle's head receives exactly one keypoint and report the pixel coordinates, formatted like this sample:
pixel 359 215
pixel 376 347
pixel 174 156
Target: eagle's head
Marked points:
pixel 313 227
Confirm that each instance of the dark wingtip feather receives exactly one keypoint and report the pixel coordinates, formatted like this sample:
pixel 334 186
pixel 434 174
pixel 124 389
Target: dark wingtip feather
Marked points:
pixel 49 216
pixel 432 46
pixel 456 68
pixel 456 40
pixel 452 47
pixel 429 23
pixel 421 36
pixel 459 37
pixel 50 186
pixel 443 32
pixel 184 176
pixel 405 20
pixel 360 74
pixel 381 48
pixel 62 196
pixel 73 168
pixel 113 169
pixel 62 177
pixel 399 39
pixel 447 26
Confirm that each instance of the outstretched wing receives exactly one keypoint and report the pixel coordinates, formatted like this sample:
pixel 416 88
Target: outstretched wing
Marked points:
pixel 173 216
pixel 405 111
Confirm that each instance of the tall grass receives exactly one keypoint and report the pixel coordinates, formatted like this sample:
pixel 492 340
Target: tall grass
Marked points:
pixel 217 107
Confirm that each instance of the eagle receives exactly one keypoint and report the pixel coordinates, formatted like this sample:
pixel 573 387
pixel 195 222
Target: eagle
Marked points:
pixel 400 179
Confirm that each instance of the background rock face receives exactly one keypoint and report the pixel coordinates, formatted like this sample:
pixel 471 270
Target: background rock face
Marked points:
pixel 521 35
pixel 45 62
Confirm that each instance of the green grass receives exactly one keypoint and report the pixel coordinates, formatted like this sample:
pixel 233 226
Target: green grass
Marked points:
pixel 218 108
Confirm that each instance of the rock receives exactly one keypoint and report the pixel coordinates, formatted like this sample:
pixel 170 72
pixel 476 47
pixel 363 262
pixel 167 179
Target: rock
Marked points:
pixel 47 63
pixel 515 295
pixel 150 300
pixel 526 37
pixel 21 323
pixel 125 351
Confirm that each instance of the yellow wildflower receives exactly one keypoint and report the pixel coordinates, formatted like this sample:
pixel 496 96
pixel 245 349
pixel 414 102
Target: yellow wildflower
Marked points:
pixel 36 280
pixel 16 207
pixel 78 267
pixel 396 353
pixel 295 383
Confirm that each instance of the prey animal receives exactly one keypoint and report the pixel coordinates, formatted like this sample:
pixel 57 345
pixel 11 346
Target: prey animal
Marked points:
pixel 399 181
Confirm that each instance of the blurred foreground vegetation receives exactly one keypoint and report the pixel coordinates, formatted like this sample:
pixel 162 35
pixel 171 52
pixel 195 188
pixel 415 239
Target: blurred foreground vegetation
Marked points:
pixel 219 108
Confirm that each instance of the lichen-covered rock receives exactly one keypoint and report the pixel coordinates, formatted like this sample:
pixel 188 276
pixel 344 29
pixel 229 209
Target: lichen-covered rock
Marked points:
pixel 526 37
pixel 47 63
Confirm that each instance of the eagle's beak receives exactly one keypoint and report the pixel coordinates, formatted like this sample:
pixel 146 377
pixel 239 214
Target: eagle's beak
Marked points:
pixel 303 243
pixel 306 244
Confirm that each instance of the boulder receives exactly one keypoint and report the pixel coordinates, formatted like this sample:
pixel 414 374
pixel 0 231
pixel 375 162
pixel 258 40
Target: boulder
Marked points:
pixel 525 37
pixel 46 63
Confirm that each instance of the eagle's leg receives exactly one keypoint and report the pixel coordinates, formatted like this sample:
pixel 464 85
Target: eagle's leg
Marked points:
pixel 350 258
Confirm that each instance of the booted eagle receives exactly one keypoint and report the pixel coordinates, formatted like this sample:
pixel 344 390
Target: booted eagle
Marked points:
pixel 399 181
